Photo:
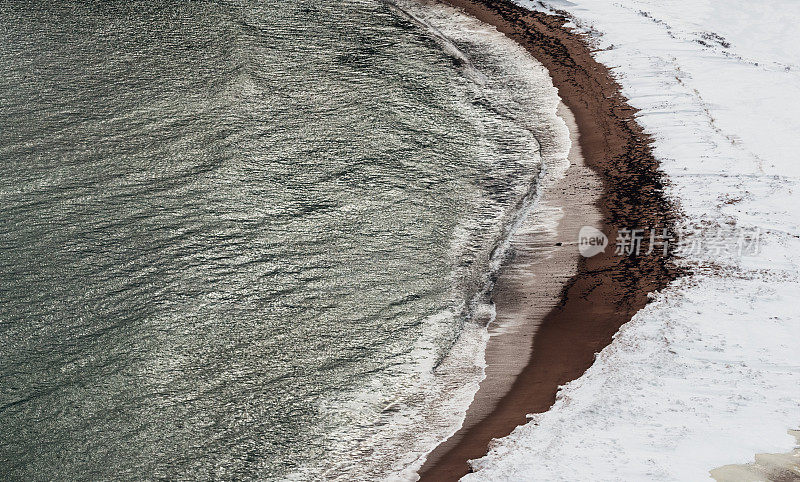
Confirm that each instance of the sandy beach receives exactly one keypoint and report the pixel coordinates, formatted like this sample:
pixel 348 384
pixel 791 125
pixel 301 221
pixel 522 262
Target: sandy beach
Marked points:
pixel 555 309
pixel 326 240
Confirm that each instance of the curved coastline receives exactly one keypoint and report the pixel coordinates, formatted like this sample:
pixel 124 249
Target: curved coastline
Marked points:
pixel 546 337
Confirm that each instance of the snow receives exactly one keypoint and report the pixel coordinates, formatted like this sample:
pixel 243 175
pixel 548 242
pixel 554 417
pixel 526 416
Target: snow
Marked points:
pixel 708 374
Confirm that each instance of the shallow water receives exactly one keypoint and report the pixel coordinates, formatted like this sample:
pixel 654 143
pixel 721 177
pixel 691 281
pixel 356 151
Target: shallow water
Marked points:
pixel 237 237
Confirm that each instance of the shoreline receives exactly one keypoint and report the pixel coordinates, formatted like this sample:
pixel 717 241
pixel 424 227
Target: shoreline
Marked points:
pixel 554 314
pixel 565 205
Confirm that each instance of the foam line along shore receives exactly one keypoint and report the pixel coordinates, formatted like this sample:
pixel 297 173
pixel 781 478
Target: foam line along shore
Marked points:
pixel 607 289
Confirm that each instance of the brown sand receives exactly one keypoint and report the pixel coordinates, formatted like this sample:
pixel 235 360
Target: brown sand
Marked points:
pixel 537 261
pixel 548 315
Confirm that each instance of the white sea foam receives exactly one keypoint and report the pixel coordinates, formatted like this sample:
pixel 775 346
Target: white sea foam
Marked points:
pixel 435 392
pixel 452 386
pixel 708 373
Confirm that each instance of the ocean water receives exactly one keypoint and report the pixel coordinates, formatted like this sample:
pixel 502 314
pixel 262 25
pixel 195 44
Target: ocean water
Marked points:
pixel 252 240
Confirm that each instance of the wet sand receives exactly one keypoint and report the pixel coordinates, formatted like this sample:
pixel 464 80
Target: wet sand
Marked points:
pixel 555 309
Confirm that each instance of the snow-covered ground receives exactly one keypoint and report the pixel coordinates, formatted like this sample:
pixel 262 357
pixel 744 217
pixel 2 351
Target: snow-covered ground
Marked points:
pixel 708 374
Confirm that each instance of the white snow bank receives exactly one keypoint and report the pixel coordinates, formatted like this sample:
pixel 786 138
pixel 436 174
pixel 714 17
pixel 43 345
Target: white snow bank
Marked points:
pixel 709 373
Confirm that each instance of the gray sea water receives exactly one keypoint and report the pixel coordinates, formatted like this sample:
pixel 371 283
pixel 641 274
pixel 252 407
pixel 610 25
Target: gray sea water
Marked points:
pixel 239 238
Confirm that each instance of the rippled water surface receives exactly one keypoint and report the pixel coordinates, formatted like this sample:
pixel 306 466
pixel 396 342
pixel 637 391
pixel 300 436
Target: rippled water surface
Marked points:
pixel 230 231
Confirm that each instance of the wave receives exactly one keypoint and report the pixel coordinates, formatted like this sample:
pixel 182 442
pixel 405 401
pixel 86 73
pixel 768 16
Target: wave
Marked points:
pixel 433 387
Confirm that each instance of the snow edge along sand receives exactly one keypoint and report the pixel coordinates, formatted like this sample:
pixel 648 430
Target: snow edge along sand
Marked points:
pixel 708 373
